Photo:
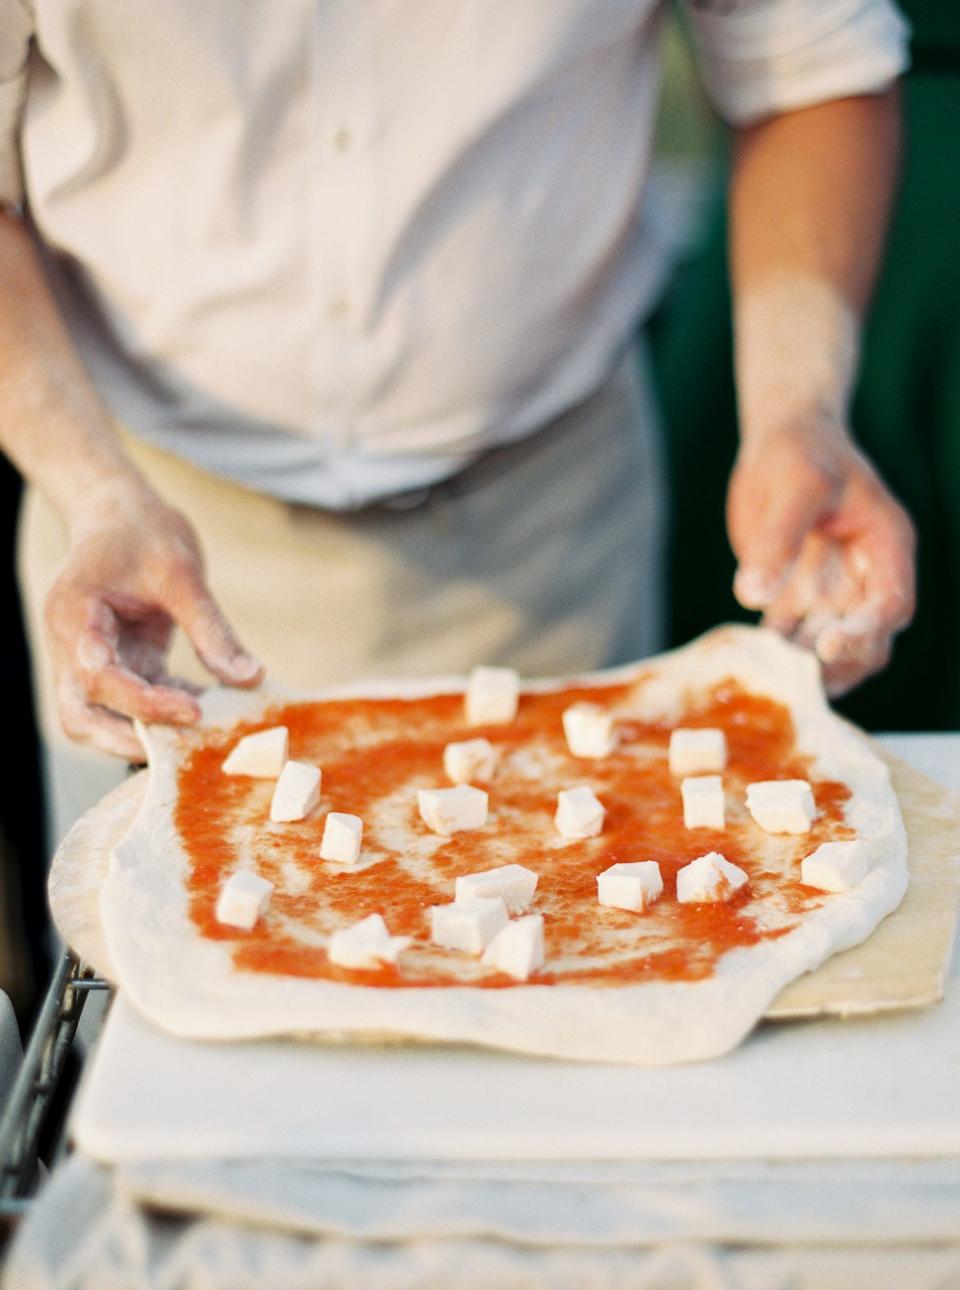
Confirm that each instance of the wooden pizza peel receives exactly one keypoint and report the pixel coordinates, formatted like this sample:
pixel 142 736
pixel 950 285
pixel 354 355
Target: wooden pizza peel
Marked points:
pixel 903 964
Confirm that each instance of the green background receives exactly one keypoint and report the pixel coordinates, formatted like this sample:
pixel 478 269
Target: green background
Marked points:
pixel 907 408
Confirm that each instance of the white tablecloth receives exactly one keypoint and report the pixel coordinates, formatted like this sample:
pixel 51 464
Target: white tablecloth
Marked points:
pixel 84 1236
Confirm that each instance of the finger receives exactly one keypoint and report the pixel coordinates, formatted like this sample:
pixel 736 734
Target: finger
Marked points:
pixel 773 507
pixel 212 637
pixel 812 594
pixel 855 654
pixel 809 632
pixel 884 561
pixel 855 644
pixel 83 636
pixel 850 670
pixel 782 618
pixel 850 646
pixel 123 691
pixel 96 727
pixel 756 588
pixel 106 681
pixel 181 683
pixel 879 543
pixel 855 635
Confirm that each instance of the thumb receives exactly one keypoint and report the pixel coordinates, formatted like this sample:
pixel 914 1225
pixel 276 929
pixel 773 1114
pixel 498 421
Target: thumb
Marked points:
pixel 195 610
pixel 772 505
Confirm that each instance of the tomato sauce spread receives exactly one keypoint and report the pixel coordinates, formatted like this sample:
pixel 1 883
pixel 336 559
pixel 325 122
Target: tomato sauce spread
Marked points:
pixel 375 754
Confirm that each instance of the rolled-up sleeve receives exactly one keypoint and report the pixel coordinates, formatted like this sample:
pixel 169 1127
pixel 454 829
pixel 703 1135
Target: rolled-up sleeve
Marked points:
pixel 16 28
pixel 761 57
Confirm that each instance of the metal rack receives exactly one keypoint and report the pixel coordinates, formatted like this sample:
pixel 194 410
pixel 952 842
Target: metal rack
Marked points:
pixel 31 1109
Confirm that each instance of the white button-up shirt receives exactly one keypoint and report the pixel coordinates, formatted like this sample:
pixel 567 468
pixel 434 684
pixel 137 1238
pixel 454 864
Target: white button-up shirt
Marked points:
pixel 334 249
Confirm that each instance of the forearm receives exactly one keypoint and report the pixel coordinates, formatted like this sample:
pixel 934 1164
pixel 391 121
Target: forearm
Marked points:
pixel 823 548
pixel 134 568
pixel 810 198
pixel 53 424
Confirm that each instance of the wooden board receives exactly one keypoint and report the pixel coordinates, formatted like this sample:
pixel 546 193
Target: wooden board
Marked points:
pixel 902 965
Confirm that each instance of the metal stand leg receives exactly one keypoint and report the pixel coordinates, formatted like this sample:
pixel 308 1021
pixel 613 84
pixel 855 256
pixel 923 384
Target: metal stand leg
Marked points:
pixel 29 1106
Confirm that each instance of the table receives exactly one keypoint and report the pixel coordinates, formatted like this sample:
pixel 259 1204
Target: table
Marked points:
pixel 761 1224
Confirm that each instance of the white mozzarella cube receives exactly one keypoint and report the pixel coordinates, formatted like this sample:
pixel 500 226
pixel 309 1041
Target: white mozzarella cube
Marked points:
pixel 694 751
pixel 261 755
pixel 513 883
pixel 451 810
pixel 631 886
pixel 579 812
pixel 243 898
pixel 517 949
pixel 468 925
pixel 782 805
pixel 366 944
pixel 493 694
pixel 589 730
pixel 709 878
pixel 835 866
pixel 703 802
pixel 342 835
pixel 297 792
pixel 469 759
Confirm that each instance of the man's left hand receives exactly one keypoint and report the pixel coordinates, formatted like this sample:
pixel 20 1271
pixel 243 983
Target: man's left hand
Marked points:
pixel 823 548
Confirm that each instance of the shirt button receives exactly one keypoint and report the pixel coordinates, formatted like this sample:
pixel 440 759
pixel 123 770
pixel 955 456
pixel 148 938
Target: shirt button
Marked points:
pixel 339 307
pixel 342 138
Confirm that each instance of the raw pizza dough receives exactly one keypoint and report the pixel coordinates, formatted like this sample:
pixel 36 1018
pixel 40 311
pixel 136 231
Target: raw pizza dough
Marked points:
pixel 189 985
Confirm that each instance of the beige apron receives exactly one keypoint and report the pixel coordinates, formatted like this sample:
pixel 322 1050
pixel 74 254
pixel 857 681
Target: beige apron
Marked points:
pixel 544 555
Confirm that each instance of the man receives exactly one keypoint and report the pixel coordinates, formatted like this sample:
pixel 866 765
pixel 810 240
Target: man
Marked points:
pixel 353 288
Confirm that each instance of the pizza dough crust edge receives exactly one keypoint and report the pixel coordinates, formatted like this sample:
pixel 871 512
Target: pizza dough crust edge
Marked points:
pixel 188 986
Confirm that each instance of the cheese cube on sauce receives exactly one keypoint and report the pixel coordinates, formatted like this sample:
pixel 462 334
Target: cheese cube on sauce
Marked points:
pixel 468 925
pixel 261 755
pixel 243 899
pixel 579 812
pixel 493 694
pixel 708 879
pixel 695 751
pixel 835 866
pixel 589 730
pixel 632 886
pixel 366 944
pixel 782 805
pixel 452 810
pixel 517 949
pixel 703 802
pixel 469 759
pixel 342 836
pixel 297 792
pixel 513 883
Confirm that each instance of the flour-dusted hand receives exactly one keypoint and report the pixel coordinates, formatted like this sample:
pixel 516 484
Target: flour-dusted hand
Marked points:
pixel 134 567
pixel 134 571
pixel 823 548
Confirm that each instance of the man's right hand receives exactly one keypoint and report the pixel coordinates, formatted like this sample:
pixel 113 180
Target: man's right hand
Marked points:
pixel 134 570
pixel 133 573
